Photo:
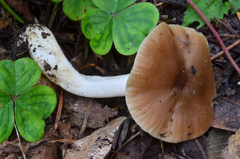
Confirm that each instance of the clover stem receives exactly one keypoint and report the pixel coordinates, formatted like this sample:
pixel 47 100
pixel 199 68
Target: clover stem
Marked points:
pixel 215 34
pixel 14 98
pixel 20 145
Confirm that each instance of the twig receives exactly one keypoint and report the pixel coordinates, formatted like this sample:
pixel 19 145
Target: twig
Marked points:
pixel 228 48
pixel 216 35
pixel 84 125
pixel 59 111
pixel 54 12
pixel 227 26
pixel 20 145
pixel 201 149
pixel 225 36
pixel 159 4
pixel 162 147
pixel 173 2
pixel 132 137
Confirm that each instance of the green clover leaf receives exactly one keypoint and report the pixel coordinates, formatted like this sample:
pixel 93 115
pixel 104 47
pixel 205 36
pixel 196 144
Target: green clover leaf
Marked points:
pixel 101 33
pixel 113 22
pixel 57 1
pixel 32 105
pixel 31 108
pixel 74 9
pixel 112 6
pixel 6 116
pixel 16 78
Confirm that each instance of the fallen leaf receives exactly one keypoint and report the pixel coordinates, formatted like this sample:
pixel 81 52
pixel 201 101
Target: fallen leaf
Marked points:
pixel 139 147
pixel 232 151
pixel 227 112
pixel 34 150
pixel 238 15
pixel 45 81
pixel 218 74
pixel 191 149
pixel 21 7
pixel 216 141
pixel 98 115
pixel 3 24
pixel 97 145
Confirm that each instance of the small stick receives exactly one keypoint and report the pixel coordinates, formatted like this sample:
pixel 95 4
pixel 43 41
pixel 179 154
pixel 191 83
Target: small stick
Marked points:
pixel 163 152
pixel 20 145
pixel 201 149
pixel 225 36
pixel 228 48
pixel 159 4
pixel 227 26
pixel 216 35
pixel 84 125
pixel 59 111
pixel 132 137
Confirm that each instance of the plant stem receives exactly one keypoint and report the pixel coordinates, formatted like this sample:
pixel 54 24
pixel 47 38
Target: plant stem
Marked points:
pixel 20 145
pixel 215 34
pixel 59 111
pixel 11 11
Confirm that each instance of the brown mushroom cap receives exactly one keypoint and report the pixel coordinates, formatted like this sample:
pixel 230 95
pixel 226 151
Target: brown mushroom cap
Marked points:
pixel 170 89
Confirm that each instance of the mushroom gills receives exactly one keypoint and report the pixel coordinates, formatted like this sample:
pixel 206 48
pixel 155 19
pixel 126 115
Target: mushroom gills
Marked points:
pixel 171 86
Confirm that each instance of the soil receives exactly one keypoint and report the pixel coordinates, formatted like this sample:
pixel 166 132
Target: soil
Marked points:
pixel 57 142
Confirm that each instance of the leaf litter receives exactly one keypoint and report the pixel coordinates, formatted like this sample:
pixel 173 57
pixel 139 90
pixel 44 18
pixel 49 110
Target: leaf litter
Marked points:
pixel 226 107
pixel 98 116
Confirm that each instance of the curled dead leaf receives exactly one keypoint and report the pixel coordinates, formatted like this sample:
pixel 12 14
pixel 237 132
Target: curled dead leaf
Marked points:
pixel 233 149
pixel 96 145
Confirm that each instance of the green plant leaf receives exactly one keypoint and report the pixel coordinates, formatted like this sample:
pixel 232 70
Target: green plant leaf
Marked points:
pixel 6 116
pixel 210 8
pixel 31 108
pixel 11 11
pixel 89 4
pixel 97 26
pixel 18 77
pixel 113 5
pixel 57 0
pixel 126 28
pixel 74 9
pixel 131 25
pixel 235 4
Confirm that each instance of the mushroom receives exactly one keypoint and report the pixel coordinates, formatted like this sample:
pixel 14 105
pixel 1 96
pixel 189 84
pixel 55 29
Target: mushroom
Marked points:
pixel 45 50
pixel 171 86
pixel 168 92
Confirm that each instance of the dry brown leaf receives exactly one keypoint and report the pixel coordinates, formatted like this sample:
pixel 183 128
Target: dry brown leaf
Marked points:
pixel 232 151
pixel 98 115
pixel 97 145
pixel 238 15
pixel 227 112
pixel 3 24
pixel 45 81
pixel 21 7
pixel 216 141
pixel 218 74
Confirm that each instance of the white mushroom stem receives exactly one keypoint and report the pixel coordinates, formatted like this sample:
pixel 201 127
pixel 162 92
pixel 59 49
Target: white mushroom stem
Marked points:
pixel 45 50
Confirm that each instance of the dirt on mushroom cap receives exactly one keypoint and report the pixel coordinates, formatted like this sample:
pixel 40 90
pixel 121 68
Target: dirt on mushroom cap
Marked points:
pixel 170 89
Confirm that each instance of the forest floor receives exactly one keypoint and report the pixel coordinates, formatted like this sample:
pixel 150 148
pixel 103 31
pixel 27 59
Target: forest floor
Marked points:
pixel 61 142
